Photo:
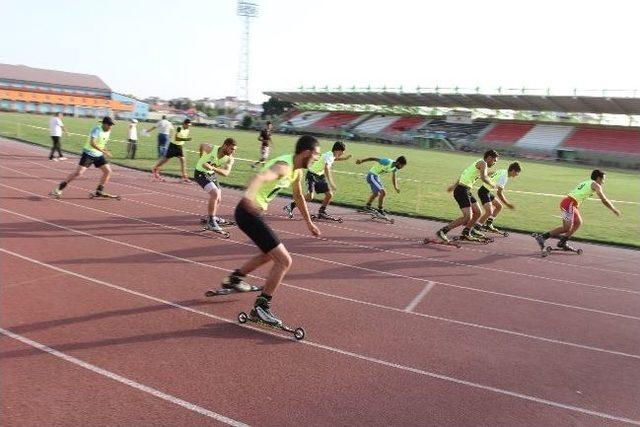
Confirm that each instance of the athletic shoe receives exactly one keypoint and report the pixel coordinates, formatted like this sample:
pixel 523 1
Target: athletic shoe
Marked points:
pixel 262 310
pixel 222 221
pixel 381 213
pixel 287 209
pixel 469 237
pixel 442 235
pixel 491 227
pixel 212 226
pixel 562 243
pixel 324 215
pixel 368 208
pixel 475 233
pixel 56 192
pixel 234 281
pixel 539 239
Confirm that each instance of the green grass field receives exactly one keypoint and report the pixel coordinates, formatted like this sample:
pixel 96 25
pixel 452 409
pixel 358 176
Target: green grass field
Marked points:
pixel 422 183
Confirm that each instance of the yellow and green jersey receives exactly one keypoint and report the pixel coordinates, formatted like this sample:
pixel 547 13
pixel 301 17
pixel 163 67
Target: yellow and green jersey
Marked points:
pixel 384 165
pixel 500 177
pixel 326 159
pixel 269 190
pixel 470 175
pixel 582 191
pixel 212 158
pixel 182 133
pixel 101 138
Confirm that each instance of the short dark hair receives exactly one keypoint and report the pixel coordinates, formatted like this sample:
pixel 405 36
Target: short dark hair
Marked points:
pixel 597 173
pixel 402 160
pixel 306 142
pixel 164 117
pixel 338 146
pixel 229 141
pixel 268 123
pixel 186 121
pixel 490 153
pixel 515 166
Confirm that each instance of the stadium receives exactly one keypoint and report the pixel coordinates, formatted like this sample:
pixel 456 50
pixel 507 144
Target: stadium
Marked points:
pixel 315 264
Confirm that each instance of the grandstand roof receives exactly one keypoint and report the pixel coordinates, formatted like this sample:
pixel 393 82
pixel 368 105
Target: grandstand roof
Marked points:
pixel 22 73
pixel 518 102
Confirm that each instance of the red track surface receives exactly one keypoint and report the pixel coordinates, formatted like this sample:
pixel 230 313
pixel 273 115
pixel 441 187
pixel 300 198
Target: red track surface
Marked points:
pixel 397 333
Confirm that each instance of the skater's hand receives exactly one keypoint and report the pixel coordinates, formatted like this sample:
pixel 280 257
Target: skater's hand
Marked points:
pixel 510 206
pixel 616 212
pixel 398 190
pixel 313 229
pixel 450 188
pixel 358 161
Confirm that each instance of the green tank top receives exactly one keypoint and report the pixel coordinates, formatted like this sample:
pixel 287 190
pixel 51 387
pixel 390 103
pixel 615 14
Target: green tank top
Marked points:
pixel 582 191
pixel 385 165
pixel 270 190
pixel 318 166
pixel 470 175
pixel 101 139
pixel 182 133
pixel 499 176
pixel 211 158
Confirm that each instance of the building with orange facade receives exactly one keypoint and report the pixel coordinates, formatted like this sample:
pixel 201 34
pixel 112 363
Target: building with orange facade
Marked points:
pixel 36 90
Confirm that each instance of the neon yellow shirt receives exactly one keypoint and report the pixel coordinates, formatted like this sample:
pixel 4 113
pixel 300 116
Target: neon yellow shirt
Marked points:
pixel 270 190
pixel 325 159
pixel 182 133
pixel 384 165
pixel 582 191
pixel 211 158
pixel 101 138
pixel 470 175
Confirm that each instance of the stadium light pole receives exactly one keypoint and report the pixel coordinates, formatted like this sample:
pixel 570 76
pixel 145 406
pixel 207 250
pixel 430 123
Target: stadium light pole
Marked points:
pixel 246 10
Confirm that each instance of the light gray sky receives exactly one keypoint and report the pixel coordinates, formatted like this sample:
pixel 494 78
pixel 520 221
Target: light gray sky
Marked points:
pixel 191 48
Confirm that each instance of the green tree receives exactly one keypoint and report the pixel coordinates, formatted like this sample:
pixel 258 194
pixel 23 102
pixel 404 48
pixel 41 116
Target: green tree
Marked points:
pixel 275 107
pixel 247 121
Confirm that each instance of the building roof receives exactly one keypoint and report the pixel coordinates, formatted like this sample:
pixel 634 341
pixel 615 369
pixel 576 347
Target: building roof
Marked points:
pixel 54 77
pixel 518 102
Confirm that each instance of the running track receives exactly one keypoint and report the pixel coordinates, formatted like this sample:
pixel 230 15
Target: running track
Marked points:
pixel 103 321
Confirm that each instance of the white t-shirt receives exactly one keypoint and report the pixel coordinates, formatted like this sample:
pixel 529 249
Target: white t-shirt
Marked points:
pixel 133 131
pixel 164 126
pixel 55 126
pixel 328 158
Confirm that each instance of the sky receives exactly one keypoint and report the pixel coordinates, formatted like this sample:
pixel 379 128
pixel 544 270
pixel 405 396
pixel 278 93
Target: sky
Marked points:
pixel 171 49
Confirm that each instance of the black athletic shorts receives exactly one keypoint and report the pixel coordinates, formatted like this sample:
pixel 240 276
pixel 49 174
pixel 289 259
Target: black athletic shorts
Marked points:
pixel 316 183
pixel 87 160
pixel 485 195
pixel 174 151
pixel 56 140
pixel 255 227
pixel 204 179
pixel 463 196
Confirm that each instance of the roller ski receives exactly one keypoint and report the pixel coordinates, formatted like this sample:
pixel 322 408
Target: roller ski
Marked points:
pixel 562 246
pixel 216 228
pixel 365 209
pixel 221 222
pixel 103 195
pixel 56 193
pixel 323 216
pixel 474 237
pixel 381 215
pixel 232 284
pixel 262 315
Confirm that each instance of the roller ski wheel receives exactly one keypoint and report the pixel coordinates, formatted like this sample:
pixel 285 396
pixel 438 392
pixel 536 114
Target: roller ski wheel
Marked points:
pixel 326 218
pixel 94 195
pixel 382 218
pixel 428 241
pixel 221 223
pixel 298 333
pixel 229 291
pixel 223 233
pixel 482 240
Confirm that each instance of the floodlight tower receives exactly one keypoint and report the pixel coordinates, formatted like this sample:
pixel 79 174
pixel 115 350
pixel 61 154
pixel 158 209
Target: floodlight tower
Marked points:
pixel 246 10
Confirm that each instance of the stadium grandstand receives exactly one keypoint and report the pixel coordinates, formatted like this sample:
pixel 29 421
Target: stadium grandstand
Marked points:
pixel 600 129
pixel 36 90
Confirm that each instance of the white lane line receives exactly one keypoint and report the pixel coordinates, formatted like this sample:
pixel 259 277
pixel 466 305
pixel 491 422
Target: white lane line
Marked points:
pixel 345 352
pixel 351 300
pixel 355 267
pixel 123 380
pixel 185 197
pixel 413 304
